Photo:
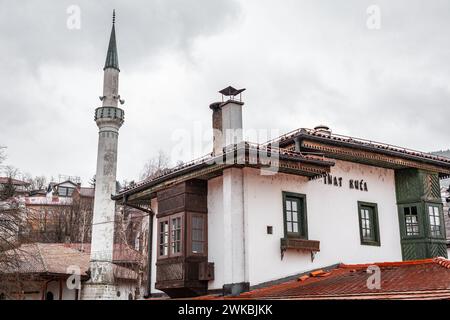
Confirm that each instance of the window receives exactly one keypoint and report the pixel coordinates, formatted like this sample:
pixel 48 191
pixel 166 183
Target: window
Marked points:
pixel 170 236
pixel 163 238
pixel 294 207
pixel 435 221
pixel 411 221
pixel 198 234
pixel 368 223
pixel 70 191
pixel 176 236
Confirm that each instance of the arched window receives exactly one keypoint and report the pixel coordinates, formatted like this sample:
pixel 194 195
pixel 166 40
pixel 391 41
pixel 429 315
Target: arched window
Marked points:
pixel 2 296
pixel 130 296
pixel 49 296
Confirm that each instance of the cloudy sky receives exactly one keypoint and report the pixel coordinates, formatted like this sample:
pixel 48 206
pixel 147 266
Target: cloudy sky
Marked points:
pixel 303 63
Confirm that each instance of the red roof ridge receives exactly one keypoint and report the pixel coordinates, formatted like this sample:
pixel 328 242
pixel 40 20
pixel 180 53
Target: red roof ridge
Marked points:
pixel 442 262
pixel 439 260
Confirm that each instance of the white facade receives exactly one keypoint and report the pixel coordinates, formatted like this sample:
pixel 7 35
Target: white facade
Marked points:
pixel 332 215
pixel 125 290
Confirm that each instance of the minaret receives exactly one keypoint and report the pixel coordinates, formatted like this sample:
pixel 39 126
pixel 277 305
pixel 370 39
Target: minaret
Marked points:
pixel 109 118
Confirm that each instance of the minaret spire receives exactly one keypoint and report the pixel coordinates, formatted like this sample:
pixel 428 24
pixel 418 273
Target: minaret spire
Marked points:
pixel 112 59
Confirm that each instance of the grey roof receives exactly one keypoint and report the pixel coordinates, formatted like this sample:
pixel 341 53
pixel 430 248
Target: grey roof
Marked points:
pixel 112 59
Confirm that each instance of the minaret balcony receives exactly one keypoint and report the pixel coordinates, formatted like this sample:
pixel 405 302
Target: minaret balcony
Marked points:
pixel 109 114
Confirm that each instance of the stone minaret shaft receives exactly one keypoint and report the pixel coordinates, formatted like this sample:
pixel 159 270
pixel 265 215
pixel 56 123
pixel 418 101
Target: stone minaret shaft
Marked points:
pixel 109 118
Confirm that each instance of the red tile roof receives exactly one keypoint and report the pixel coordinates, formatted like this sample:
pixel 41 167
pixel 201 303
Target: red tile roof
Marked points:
pixel 55 258
pixel 420 279
pixel 121 254
pixel 87 192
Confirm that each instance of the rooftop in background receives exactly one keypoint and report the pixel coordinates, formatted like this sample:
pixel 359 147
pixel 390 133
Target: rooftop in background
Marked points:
pixel 420 279
pixel 16 182
pixel 86 192
pixel 55 258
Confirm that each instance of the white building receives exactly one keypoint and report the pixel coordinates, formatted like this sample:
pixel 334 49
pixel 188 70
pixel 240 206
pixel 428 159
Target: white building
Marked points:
pixel 58 271
pixel 249 214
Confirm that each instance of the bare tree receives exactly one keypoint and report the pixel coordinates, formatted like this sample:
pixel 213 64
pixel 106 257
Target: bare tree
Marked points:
pixel 2 154
pixel 11 172
pixel 155 166
pixel 12 217
pixel 36 183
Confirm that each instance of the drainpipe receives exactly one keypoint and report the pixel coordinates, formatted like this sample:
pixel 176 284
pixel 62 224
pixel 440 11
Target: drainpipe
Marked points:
pixel 150 251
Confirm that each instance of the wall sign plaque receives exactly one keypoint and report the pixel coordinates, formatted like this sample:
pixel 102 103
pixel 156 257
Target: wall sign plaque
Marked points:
pixel 355 184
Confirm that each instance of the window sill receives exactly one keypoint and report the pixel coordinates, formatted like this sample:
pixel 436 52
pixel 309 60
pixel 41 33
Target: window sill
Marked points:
pixel 312 246
pixel 368 243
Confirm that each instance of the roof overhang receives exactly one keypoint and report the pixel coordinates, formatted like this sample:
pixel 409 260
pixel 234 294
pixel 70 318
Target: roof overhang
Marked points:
pixel 272 160
pixel 365 152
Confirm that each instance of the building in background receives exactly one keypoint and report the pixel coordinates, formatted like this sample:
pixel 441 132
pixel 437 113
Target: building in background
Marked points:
pixel 44 271
pixel 19 187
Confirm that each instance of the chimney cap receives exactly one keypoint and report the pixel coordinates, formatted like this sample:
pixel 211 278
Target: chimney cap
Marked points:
pixel 323 128
pixel 215 105
pixel 231 92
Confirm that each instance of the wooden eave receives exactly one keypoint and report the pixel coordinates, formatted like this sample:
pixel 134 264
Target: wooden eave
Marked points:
pixel 287 162
pixel 367 154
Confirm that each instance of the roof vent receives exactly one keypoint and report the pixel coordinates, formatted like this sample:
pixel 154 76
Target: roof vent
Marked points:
pixel 323 128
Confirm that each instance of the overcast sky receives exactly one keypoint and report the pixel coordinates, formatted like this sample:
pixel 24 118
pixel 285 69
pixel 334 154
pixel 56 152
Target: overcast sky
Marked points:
pixel 303 63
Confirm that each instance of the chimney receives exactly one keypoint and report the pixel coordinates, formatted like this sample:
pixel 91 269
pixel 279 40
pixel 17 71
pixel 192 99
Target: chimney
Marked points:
pixel 217 127
pixel 227 119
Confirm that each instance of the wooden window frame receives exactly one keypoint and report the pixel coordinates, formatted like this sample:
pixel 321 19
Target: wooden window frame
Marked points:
pixel 171 238
pixel 420 222
pixel 163 220
pixel 375 222
pixel 429 205
pixel 302 216
pixel 170 242
pixel 189 234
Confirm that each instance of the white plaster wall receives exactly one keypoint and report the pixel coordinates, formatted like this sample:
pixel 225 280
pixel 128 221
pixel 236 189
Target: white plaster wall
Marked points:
pixel 231 123
pixel 233 225
pixel 154 206
pixel 125 288
pixel 216 240
pixel 332 214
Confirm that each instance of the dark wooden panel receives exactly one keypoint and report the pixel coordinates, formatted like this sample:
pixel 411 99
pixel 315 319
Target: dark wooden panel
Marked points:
pixel 172 205
pixel 196 202
pixel 171 192
pixel 196 186
pixel 186 196
pixel 169 272
pixel 300 244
